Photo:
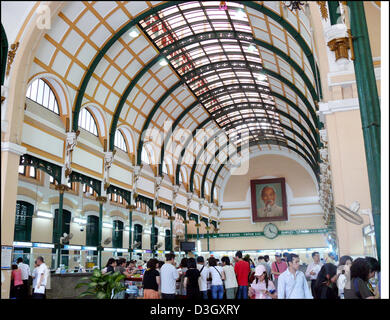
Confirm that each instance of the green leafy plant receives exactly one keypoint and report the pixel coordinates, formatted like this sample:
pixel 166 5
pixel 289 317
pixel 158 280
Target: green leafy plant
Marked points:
pixel 102 286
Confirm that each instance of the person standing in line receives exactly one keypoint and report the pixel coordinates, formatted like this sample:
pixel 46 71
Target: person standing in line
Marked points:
pixel 292 283
pixel 151 280
pixel 372 280
pixel 360 273
pixel 242 270
pixel 344 279
pixel 312 271
pixel 217 278
pixel 169 275
pixel 325 284
pixel 26 273
pixel 34 275
pixel 191 280
pixel 266 258
pixel 182 272
pixel 262 287
pixel 231 285
pixel 277 268
pixel 204 274
pixel 261 260
pixel 42 275
pixel 16 282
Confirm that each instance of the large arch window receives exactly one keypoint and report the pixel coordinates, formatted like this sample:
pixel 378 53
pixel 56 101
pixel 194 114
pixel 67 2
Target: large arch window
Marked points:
pixel 117 234
pixel 154 237
pixel 138 235
pixel 120 141
pixel 92 236
pixel 23 221
pixel 87 122
pixel 206 188
pixel 168 243
pixel 40 92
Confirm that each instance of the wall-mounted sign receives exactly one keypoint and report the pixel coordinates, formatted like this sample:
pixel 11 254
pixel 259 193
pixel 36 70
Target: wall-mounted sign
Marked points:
pixel 89 248
pixel 43 245
pixel 6 253
pixel 20 244
pixel 70 247
pixel 122 250
pixel 258 234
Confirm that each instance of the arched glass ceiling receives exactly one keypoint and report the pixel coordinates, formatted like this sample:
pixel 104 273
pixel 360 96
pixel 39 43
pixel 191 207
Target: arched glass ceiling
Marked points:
pixel 221 71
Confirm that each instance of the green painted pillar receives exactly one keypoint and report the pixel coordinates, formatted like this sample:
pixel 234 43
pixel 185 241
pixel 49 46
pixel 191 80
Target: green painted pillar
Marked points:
pixel 152 244
pixel 100 248
pixel 59 224
pixel 369 109
pixel 171 225
pixel 130 207
pixel 208 240
pixel 334 12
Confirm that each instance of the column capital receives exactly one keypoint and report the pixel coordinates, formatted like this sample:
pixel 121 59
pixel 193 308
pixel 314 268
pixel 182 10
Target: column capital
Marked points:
pixel 171 218
pixel 131 207
pixel 101 199
pixel 197 225
pixel 62 188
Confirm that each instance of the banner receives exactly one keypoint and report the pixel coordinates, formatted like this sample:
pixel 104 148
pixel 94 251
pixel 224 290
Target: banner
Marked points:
pixel 257 234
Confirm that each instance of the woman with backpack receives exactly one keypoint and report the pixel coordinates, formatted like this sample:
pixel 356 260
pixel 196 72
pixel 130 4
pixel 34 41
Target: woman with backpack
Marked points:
pixel 217 278
pixel 262 287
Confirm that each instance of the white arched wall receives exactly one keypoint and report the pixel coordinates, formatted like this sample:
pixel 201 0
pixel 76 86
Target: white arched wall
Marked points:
pixel 100 117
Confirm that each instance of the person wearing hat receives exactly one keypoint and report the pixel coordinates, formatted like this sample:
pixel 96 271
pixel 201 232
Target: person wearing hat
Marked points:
pixel 262 287
pixel 278 267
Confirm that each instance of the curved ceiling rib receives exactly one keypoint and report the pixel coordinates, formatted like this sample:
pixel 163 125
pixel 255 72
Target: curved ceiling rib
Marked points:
pixel 311 162
pixel 156 9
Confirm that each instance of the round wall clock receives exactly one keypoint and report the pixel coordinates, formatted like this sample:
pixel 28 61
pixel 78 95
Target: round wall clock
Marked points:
pixel 271 231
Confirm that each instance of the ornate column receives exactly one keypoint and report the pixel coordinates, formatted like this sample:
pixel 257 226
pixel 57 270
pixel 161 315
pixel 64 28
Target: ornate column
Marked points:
pixel 172 218
pixel 369 109
pixel 61 188
pixel 156 202
pixel 131 207
pixel 188 213
pixel 101 200
pixel 71 142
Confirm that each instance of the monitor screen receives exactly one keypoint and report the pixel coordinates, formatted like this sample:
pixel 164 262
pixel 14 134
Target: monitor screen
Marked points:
pixel 187 246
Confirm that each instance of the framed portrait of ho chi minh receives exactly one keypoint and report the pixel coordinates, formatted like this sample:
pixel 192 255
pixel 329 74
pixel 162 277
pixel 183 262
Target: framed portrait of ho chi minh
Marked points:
pixel 268 198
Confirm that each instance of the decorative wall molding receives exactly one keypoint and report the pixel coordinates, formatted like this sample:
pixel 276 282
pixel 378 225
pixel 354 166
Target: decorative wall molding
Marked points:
pixel 338 106
pixel 8 146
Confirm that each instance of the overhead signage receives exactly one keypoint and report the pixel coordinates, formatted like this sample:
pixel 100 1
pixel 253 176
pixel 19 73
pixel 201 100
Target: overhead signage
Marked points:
pixel 89 248
pixel 257 234
pixel 70 247
pixel 20 244
pixel 43 245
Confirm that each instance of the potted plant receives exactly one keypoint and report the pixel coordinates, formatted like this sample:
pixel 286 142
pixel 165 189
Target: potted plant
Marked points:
pixel 102 286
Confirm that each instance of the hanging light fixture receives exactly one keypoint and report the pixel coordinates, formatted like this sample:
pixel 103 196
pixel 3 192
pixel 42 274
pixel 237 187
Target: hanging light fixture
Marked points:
pixel 134 33
pixel 223 5
pixel 294 5
pixel 163 62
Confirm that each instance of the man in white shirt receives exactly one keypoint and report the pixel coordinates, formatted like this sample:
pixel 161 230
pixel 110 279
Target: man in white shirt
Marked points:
pixel 26 272
pixel 292 283
pixel 168 276
pixel 204 274
pixel 42 275
pixel 313 269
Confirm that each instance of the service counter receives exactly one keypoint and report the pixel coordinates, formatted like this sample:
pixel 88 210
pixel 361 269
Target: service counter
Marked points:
pixel 63 285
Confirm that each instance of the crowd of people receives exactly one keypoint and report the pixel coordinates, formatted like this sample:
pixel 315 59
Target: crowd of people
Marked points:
pixel 26 284
pixel 242 278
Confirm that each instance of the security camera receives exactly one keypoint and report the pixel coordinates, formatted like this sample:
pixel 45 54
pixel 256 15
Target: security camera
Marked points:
pixel 81 228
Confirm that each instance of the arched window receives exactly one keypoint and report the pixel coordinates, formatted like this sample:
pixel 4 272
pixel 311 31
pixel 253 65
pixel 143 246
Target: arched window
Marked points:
pixel 147 155
pixel 215 194
pixel 40 92
pixel 168 243
pixel 92 231
pixel 119 141
pixel 117 234
pixel 87 122
pixel 183 175
pixel 154 238
pixel 23 221
pixel 137 236
pixel 206 188
pixel 164 168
